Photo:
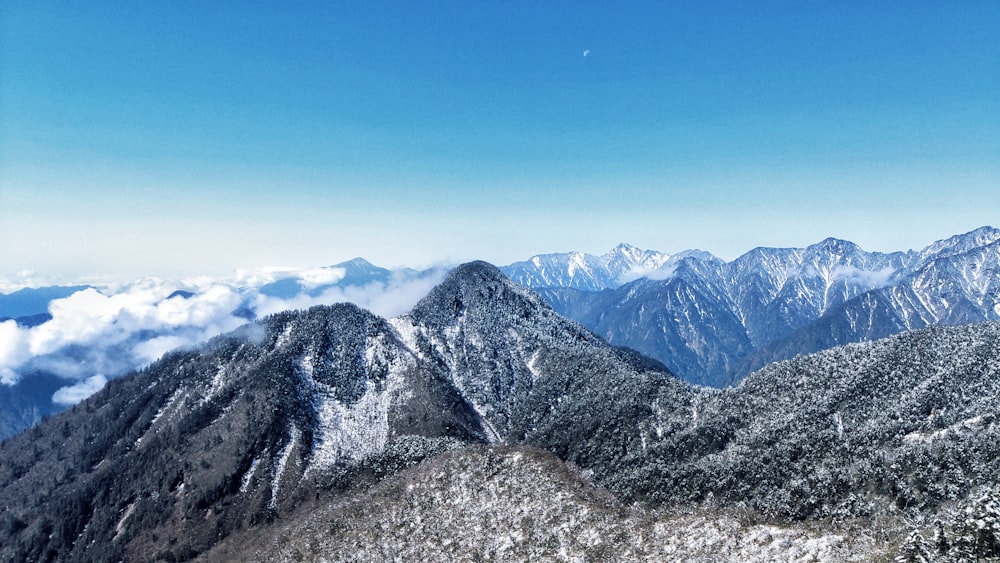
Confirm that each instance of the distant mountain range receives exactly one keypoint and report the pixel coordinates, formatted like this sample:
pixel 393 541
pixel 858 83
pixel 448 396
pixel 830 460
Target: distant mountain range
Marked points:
pixel 299 408
pixel 712 322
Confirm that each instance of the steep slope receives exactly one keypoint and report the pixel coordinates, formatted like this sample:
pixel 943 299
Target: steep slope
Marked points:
pixel 165 462
pixel 959 284
pixel 24 403
pixel 822 276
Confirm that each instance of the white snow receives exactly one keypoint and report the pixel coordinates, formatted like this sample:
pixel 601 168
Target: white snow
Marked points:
pixel 245 480
pixel 974 424
pixel 351 432
pixel 285 336
pixel 281 462
pixel 532 365
pixel 407 333
pixel 120 526
pixel 163 410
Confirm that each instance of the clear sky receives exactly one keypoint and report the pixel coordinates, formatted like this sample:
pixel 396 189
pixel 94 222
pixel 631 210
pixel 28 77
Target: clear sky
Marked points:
pixel 167 138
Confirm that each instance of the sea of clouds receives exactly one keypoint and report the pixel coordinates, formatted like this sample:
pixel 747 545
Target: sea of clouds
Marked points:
pixel 106 331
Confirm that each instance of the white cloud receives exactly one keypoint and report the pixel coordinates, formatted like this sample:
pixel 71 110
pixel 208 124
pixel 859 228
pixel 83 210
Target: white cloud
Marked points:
pixel 128 326
pixel 125 326
pixel 664 272
pixel 13 351
pixel 387 300
pixel 320 276
pixel 868 278
pixel 73 394
pixel 149 351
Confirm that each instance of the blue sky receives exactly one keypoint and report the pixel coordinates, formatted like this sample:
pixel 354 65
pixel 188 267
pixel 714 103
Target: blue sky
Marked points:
pixel 180 138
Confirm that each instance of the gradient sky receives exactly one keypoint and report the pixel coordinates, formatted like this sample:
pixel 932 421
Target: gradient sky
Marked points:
pixel 178 138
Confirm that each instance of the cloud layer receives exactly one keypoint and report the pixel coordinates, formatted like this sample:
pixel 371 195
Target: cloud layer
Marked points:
pixel 97 334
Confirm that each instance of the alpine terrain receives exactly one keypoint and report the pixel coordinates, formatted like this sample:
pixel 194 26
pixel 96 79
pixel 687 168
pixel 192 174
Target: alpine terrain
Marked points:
pixel 713 322
pixel 482 424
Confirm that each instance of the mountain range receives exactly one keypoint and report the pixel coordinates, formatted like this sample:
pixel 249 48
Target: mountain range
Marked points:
pixel 709 321
pixel 713 322
pixel 238 436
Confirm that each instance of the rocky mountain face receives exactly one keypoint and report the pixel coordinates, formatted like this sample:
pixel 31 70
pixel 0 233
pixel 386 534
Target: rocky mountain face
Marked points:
pixel 874 451
pixel 162 463
pixel 713 322
pixel 309 409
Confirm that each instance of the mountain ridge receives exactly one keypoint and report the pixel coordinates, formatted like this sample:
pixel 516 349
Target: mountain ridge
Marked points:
pixel 783 296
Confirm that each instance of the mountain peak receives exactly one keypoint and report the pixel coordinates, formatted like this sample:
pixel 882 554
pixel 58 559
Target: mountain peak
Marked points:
pixel 359 271
pixel 358 262
pixel 474 286
pixel 478 269
pixel 625 248
pixel 958 244
pixel 835 245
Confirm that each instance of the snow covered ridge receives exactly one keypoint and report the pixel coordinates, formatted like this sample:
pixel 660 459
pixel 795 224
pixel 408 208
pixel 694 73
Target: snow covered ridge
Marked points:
pixel 585 271
pixel 713 322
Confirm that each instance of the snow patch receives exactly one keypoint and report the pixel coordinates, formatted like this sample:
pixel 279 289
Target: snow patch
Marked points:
pixel 532 365
pixel 280 463
pixel 245 480
pixel 838 421
pixel 120 526
pixel 285 336
pixel 351 432
pixel 159 414
pixel 974 424
pixel 407 333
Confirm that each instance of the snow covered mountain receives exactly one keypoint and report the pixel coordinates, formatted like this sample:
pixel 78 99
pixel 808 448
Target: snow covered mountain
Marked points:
pixel 585 271
pixel 522 504
pixel 298 408
pixel 712 322
pixel 213 439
